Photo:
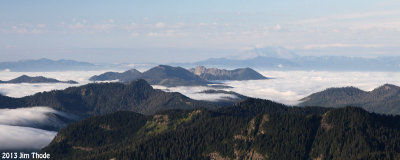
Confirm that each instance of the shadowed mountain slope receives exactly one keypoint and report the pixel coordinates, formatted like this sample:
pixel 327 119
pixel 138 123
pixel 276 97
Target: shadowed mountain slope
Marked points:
pixel 222 74
pixel 103 98
pixel 384 99
pixel 252 129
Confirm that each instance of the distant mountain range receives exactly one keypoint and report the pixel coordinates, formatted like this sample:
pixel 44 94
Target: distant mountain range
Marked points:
pixel 258 58
pixel 283 59
pixel 330 63
pixel 177 76
pixel 384 99
pixel 252 129
pixel 160 75
pixel 126 76
pixel 46 65
pixel 38 79
pixel 223 74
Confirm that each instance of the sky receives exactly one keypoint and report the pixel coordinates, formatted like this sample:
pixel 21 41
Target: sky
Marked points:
pixel 186 31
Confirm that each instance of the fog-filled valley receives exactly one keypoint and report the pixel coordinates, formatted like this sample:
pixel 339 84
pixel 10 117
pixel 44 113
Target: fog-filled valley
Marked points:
pixel 286 87
pixel 37 126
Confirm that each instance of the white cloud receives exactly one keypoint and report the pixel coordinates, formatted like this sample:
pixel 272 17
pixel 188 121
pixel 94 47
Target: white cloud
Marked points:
pixel 341 45
pixel 286 86
pixel 193 92
pixel 167 33
pixel 28 29
pixel 41 25
pixel 18 127
pixel 152 34
pixel 24 89
pixel 82 26
pixel 289 87
pixel 355 15
pixel 160 25
pixel 135 34
pixel 33 117
pixel 388 25
pixel 277 27
pixel 131 26
pixel 178 25
pixel 16 137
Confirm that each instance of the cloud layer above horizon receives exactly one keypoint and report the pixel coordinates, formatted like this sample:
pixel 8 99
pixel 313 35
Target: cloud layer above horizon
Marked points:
pixel 131 31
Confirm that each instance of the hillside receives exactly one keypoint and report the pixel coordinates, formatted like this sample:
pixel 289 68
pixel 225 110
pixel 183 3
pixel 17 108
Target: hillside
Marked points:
pixel 253 129
pixel 38 79
pixel 160 75
pixel 103 98
pixel 172 76
pixel 126 76
pixel 384 99
pixel 222 74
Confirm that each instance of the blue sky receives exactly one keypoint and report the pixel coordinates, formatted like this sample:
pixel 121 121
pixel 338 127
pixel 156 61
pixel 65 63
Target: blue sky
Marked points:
pixel 171 31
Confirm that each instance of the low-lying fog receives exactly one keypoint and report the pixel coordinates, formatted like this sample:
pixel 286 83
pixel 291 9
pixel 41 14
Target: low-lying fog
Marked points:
pixel 289 87
pixel 19 128
pixel 24 89
pixel 285 86
pixel 194 92
pixel 16 137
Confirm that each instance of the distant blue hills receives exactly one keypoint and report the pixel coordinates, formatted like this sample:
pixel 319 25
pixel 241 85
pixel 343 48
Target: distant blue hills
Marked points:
pixel 283 59
pixel 46 65
pixel 273 59
pixel 330 63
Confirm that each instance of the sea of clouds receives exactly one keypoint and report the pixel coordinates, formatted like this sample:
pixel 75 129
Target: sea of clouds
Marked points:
pixel 24 89
pixel 289 87
pixel 18 127
pixel 286 87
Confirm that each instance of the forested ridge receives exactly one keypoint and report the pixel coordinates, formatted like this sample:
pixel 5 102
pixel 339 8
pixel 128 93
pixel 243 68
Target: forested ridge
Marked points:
pixel 252 129
pixel 160 75
pixel 384 99
pixel 102 98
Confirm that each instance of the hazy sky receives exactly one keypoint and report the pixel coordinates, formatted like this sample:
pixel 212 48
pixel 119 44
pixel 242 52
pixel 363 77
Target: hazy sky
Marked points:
pixel 168 31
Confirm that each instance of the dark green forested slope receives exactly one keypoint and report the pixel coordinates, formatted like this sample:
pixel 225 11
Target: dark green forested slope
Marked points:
pixel 253 129
pixel 103 98
pixel 384 99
